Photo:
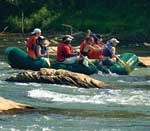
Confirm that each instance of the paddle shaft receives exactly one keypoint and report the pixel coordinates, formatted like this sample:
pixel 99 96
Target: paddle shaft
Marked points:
pixel 128 68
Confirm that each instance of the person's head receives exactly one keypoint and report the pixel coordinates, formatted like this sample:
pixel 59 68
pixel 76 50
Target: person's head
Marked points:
pixel 67 39
pixel 113 41
pixel 36 32
pixel 90 40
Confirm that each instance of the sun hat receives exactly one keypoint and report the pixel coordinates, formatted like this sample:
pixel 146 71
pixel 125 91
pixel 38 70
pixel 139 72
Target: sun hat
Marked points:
pixel 36 30
pixel 114 40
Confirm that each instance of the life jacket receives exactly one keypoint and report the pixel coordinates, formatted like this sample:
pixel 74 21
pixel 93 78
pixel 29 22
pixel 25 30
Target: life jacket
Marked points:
pixel 43 49
pixel 95 54
pixel 107 51
pixel 30 46
pixel 63 50
pixel 82 46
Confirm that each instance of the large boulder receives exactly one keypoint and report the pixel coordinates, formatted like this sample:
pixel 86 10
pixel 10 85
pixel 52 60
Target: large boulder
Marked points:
pixel 53 76
pixel 8 106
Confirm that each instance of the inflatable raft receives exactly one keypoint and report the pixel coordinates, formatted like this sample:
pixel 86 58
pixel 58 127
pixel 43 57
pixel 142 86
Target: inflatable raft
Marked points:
pixel 125 64
pixel 19 59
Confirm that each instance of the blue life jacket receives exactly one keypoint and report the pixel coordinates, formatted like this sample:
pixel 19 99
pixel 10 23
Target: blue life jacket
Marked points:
pixel 107 51
pixel 43 49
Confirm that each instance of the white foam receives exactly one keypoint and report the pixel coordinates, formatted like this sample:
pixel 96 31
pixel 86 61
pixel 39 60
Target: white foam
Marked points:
pixel 121 81
pixel 104 97
pixel 3 74
pixel 27 84
pixel 3 63
pixel 57 85
pixel 35 84
pixel 21 84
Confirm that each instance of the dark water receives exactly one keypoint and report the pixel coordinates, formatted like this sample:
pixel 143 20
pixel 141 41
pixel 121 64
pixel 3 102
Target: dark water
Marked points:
pixel 123 107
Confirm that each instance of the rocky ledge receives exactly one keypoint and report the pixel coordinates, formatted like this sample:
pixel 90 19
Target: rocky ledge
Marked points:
pixel 145 61
pixel 53 76
pixel 8 106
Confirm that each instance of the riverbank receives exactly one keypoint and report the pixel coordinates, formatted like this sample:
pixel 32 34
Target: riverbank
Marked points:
pixel 18 39
pixel 125 41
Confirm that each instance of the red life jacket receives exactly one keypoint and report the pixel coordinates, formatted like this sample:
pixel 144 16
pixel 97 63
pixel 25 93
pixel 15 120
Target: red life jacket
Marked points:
pixel 82 46
pixel 30 46
pixel 63 50
pixel 95 54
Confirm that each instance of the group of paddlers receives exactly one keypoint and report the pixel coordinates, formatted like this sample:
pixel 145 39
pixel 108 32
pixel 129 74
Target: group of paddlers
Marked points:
pixel 91 47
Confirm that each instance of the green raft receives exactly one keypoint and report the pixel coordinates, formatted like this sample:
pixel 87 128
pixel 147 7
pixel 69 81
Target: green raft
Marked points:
pixel 126 63
pixel 19 59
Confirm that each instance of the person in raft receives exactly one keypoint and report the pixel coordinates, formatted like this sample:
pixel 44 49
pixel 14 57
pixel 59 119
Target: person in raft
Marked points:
pixel 31 41
pixel 109 51
pixel 91 48
pixel 65 52
pixel 41 49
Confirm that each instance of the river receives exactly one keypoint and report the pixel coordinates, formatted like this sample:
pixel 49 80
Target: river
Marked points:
pixel 122 107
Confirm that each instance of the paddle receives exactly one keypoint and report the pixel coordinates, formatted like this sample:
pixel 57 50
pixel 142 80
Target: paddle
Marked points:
pixel 147 44
pixel 90 62
pixel 126 65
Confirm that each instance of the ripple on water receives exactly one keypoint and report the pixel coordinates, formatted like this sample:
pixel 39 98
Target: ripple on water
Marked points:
pixel 121 97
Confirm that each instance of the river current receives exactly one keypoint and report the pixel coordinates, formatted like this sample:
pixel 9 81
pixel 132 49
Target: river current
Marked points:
pixel 125 106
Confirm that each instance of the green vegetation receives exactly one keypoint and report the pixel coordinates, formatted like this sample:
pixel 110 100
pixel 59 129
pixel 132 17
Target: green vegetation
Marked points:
pixel 125 19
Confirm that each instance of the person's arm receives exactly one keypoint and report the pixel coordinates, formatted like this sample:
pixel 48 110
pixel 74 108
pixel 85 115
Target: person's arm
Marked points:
pixel 39 52
pixel 113 50
pixel 69 52
pixel 95 48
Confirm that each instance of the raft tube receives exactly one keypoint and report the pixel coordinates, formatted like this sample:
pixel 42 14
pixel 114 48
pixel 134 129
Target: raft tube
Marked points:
pixel 19 59
pixel 126 64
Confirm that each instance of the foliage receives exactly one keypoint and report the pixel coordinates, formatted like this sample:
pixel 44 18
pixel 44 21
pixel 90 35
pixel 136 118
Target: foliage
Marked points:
pixel 128 17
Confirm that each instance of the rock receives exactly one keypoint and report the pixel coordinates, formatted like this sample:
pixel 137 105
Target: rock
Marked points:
pixel 145 61
pixel 8 106
pixel 60 76
pixel 52 51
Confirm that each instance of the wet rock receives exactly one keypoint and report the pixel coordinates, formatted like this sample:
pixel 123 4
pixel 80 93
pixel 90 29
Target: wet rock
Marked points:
pixel 53 76
pixel 8 106
pixel 145 61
